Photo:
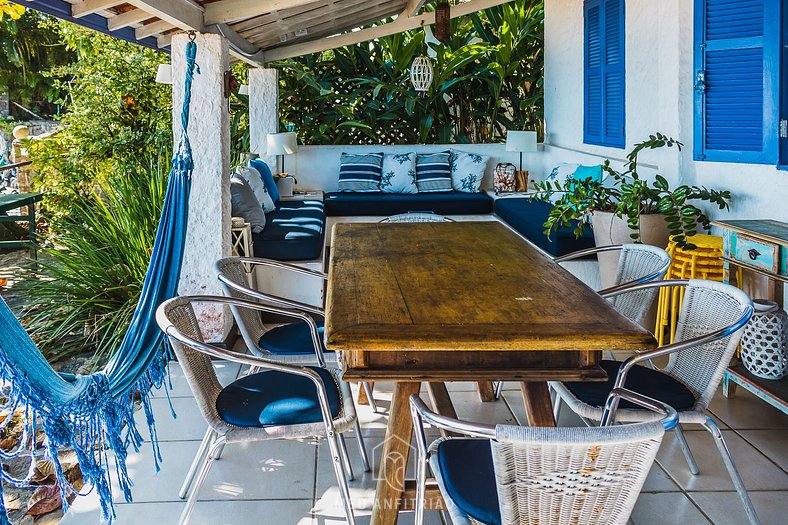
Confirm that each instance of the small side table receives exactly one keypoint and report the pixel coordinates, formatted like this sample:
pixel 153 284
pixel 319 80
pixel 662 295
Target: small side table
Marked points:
pixel 304 195
pixel 17 202
pixel 241 236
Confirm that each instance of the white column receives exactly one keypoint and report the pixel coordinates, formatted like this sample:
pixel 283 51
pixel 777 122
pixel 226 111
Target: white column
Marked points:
pixel 208 234
pixel 263 110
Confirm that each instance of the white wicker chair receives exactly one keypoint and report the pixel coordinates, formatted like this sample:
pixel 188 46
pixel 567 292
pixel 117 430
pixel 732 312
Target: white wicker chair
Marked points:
pixel 417 216
pixel 176 318
pixel 529 475
pixel 707 334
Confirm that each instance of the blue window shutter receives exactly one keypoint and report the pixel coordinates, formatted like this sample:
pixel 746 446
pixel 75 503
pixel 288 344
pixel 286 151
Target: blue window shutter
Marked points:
pixel 736 80
pixel 605 79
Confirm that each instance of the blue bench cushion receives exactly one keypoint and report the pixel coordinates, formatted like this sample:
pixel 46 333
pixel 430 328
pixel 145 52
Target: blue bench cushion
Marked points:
pixel 643 380
pixel 291 339
pixel 293 231
pixel 276 398
pixel 528 218
pixel 384 204
pixel 469 477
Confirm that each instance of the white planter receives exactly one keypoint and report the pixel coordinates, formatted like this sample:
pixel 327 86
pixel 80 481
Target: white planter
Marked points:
pixel 764 341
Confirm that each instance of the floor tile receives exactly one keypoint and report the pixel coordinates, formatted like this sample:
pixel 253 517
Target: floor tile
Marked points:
pixel 659 481
pixel 746 411
pixel 469 408
pixel 668 507
pixel 188 425
pixel 771 442
pixel 514 400
pixel 726 507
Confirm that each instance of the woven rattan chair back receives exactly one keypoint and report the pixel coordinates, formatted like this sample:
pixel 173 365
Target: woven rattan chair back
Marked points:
pixel 250 323
pixel 636 262
pixel 563 476
pixel 417 217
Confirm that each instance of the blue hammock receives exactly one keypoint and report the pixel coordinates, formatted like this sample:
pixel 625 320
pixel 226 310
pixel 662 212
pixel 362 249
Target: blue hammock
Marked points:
pixel 94 414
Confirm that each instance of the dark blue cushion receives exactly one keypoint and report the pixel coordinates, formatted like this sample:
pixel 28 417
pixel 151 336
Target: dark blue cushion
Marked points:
pixel 290 339
pixel 383 204
pixel 268 178
pixel 293 231
pixel 469 478
pixel 528 217
pixel 276 398
pixel 643 380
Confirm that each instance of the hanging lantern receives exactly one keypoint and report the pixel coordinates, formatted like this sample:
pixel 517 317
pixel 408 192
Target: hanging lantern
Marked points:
pixel 443 20
pixel 421 74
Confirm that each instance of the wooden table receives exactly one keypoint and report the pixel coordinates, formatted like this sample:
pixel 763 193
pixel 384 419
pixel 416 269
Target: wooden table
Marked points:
pixel 13 202
pixel 464 301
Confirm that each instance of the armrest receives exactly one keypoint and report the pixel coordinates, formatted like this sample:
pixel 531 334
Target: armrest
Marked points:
pixel 670 420
pixel 588 251
pixel 421 413
pixel 256 261
pixel 263 296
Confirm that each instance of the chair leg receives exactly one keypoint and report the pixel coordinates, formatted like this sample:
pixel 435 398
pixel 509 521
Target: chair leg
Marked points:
pixel 362 448
pixel 749 509
pixel 344 490
pixel 206 466
pixel 693 465
pixel 206 441
pixel 421 487
pixel 370 397
pixel 556 407
pixel 345 458
pixel 498 390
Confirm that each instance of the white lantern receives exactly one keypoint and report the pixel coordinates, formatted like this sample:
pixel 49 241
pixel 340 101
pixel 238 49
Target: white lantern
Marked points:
pixel 421 73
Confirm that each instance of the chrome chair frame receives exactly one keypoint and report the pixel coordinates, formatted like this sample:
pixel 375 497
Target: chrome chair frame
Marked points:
pixel 215 440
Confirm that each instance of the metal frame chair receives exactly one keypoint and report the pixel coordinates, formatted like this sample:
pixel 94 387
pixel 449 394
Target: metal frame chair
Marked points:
pixel 416 216
pixel 177 320
pixel 707 335
pixel 552 476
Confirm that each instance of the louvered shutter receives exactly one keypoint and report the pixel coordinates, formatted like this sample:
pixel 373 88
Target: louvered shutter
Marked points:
pixel 605 81
pixel 736 80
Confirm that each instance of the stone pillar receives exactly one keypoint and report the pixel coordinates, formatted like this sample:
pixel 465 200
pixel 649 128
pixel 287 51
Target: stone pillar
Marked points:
pixel 208 235
pixel 263 110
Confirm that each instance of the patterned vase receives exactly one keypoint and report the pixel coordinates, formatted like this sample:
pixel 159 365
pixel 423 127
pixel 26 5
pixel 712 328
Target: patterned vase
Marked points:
pixel 764 343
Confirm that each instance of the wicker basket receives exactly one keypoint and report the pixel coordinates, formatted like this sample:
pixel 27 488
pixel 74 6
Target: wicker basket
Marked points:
pixel 764 342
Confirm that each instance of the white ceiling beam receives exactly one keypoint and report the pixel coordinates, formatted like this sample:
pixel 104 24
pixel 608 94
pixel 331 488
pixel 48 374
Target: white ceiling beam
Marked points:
pixel 129 18
pixel 154 28
pixel 164 40
pixel 397 26
pixel 289 24
pixel 230 10
pixel 413 7
pixel 180 13
pixel 239 46
pixel 88 7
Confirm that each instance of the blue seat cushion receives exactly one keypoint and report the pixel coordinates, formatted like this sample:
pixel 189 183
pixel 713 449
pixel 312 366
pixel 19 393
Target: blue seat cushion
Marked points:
pixel 643 380
pixel 276 398
pixel 293 231
pixel 469 477
pixel 291 339
pixel 528 217
pixel 383 204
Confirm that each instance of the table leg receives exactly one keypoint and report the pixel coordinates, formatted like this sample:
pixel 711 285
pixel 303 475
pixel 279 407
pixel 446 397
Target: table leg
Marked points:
pixel 394 457
pixel 362 393
pixel 728 386
pixel 486 391
pixel 441 402
pixel 538 408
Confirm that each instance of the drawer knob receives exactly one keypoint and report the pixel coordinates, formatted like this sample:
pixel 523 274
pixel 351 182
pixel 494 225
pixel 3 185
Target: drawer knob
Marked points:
pixel 753 253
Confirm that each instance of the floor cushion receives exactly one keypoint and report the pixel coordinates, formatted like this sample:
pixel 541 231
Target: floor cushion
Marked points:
pixel 469 477
pixel 385 204
pixel 290 339
pixel 293 232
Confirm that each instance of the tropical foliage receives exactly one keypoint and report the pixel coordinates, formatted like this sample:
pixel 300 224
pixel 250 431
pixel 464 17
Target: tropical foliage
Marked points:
pixel 488 78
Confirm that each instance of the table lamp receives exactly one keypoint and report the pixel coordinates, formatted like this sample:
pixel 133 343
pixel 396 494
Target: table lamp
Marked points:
pixel 522 141
pixel 282 144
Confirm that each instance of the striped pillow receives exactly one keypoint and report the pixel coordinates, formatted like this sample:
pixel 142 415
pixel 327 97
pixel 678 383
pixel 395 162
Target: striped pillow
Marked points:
pixel 433 172
pixel 360 172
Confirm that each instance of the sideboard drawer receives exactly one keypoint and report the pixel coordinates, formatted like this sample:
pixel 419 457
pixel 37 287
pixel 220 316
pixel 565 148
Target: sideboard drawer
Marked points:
pixel 755 252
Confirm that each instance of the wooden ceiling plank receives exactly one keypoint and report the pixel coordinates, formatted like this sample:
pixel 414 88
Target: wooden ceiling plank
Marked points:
pixel 413 7
pixel 88 7
pixel 291 23
pixel 129 18
pixel 181 14
pixel 232 10
pixel 154 28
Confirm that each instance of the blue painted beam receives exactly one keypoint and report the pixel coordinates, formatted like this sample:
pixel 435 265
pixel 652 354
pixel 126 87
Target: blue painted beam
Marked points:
pixel 62 10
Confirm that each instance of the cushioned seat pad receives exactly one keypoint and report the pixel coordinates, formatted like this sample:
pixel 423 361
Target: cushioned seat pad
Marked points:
pixel 528 217
pixel 276 398
pixel 469 477
pixel 384 204
pixel 291 339
pixel 293 231
pixel 643 380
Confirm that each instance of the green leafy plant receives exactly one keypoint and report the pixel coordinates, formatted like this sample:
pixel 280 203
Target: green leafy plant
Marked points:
pixel 630 196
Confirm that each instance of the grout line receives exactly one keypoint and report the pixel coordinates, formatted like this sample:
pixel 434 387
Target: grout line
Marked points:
pixel 683 491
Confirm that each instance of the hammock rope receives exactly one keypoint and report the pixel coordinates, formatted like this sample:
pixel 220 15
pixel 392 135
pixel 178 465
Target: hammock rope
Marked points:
pixel 94 414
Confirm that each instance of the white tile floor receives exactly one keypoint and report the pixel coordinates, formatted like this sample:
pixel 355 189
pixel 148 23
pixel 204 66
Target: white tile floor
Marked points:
pixel 292 482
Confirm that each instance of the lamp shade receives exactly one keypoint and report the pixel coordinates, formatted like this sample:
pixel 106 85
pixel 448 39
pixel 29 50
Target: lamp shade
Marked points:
pixel 164 74
pixel 282 143
pixel 244 89
pixel 522 141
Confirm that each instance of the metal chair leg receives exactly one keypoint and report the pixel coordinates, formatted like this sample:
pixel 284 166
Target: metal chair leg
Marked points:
pixel 749 509
pixel 498 390
pixel 693 465
pixel 206 466
pixel 370 397
pixel 362 448
pixel 206 440
pixel 344 490
pixel 345 457
pixel 556 407
pixel 421 488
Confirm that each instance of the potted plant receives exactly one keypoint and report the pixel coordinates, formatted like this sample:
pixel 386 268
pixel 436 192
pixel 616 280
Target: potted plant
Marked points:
pixel 627 208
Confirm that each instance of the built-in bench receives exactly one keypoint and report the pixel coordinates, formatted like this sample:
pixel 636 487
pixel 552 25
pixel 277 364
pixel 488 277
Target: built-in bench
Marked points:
pixel 349 204
pixel 294 231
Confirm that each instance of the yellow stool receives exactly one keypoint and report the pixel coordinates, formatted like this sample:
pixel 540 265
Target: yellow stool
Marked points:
pixel 702 262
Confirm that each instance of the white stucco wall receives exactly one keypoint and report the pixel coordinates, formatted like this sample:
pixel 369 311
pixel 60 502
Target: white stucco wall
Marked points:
pixel 659 97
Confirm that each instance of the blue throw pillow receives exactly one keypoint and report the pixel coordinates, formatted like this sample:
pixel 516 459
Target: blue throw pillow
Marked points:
pixel 433 172
pixel 268 178
pixel 588 172
pixel 360 172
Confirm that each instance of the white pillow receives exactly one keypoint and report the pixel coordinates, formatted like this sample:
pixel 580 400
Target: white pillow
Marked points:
pixel 399 173
pixel 467 170
pixel 253 178
pixel 562 173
